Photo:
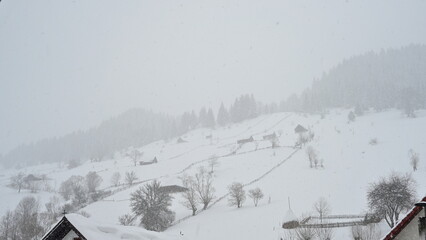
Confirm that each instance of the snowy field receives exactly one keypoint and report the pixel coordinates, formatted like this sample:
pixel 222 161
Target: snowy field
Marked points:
pixel 350 164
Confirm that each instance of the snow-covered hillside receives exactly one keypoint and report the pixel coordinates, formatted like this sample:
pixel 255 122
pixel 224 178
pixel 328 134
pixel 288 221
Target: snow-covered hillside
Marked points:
pixel 350 164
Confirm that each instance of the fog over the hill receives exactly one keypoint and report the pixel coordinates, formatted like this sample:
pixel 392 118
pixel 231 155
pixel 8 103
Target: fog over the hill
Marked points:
pixel 68 65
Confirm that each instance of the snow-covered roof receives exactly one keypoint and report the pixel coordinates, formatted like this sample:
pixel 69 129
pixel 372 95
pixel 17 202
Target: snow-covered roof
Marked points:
pixel 397 229
pixel 289 216
pixel 92 230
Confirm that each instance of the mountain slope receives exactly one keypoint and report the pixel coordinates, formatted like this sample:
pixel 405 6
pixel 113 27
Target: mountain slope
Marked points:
pixel 350 164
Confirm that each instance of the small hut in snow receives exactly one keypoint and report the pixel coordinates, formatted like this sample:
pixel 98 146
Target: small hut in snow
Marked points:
pixel 247 140
pixel 148 162
pixel 272 136
pixel 290 220
pixel 181 140
pixel 300 129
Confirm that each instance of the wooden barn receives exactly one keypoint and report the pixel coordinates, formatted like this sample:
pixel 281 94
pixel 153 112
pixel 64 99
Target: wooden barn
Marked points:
pixel 412 226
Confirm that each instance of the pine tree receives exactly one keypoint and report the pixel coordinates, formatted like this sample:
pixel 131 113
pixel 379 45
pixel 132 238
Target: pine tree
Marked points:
pixel 222 116
pixel 210 120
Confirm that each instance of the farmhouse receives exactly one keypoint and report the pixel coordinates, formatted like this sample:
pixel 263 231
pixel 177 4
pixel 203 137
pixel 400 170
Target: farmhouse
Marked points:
pixel 412 226
pixel 77 227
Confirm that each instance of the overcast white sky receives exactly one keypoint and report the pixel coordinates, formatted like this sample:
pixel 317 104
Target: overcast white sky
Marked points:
pixel 67 65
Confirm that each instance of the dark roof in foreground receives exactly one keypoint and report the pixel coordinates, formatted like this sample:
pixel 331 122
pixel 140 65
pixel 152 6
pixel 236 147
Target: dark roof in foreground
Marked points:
pixel 404 222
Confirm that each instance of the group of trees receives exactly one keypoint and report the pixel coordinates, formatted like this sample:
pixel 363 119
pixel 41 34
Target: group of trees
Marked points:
pixel 244 107
pixel 130 178
pixel 389 79
pixel 237 195
pixel 200 189
pixel 21 181
pixel 25 222
pixel 80 190
pixel 314 161
pixel 305 233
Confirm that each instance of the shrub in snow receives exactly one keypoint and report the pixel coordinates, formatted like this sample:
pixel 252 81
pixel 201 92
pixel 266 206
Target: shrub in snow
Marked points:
pixel 304 233
pixel 237 195
pixel 351 116
pixel 152 205
pixel 324 233
pixel 390 196
pixel 126 220
pixel 368 232
pixel 414 159
pixel 115 179
pixel 373 141
pixel 312 156
pixel 256 194
pixel 73 163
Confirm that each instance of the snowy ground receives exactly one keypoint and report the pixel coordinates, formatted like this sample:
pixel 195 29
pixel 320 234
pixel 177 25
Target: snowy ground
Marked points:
pixel 350 164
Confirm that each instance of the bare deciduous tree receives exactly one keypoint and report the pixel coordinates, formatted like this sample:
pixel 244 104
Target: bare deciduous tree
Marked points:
pixel 131 177
pixel 9 226
pixel 204 186
pixel 213 163
pixel 190 195
pixel 93 181
pixel 67 187
pixel 28 218
pixel 256 194
pixel 414 159
pixel 391 195
pixel 115 179
pixel 237 195
pixel 322 207
pixel 134 155
pixel 17 181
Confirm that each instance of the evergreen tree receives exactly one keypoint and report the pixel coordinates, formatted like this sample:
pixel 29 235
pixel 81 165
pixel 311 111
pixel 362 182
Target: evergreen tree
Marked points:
pixel 222 116
pixel 203 117
pixel 210 120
